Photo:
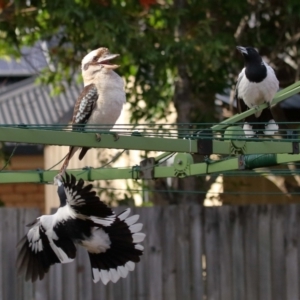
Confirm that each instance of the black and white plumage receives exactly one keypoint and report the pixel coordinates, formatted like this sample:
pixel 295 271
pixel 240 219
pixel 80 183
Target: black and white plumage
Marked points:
pixel 102 98
pixel 257 84
pixel 112 241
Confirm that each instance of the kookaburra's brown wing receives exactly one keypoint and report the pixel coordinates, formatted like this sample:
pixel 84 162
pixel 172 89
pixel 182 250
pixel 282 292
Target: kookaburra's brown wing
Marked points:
pixel 84 105
pixel 82 111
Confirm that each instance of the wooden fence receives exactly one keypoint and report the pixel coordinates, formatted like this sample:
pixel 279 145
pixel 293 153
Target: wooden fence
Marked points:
pixel 191 252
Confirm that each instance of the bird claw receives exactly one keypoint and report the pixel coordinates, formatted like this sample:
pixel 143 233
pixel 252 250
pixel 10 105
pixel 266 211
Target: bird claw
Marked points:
pixel 116 136
pixel 58 179
pixel 98 137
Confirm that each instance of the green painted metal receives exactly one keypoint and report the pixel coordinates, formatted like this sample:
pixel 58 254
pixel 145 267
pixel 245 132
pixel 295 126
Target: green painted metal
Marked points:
pixel 257 161
pixel 182 164
pixel 286 93
pixel 87 174
pixel 287 158
pixel 260 153
pixel 251 147
pixel 87 139
pixel 280 96
pixel 191 169
pixel 52 137
pixel 163 155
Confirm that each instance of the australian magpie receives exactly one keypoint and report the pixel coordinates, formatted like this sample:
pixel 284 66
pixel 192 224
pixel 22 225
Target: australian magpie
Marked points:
pixel 112 241
pixel 257 84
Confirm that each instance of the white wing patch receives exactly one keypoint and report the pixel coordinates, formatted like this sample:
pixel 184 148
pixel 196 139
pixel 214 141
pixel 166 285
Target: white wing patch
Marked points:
pixel 62 256
pixel 48 222
pixel 124 214
pixel 138 237
pixel 103 221
pixel 113 274
pixel 131 220
pixel 34 239
pixel 64 213
pixel 136 227
pixel 73 199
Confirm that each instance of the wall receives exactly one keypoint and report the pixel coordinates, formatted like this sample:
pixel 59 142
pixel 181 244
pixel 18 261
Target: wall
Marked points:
pixel 257 189
pixel 24 194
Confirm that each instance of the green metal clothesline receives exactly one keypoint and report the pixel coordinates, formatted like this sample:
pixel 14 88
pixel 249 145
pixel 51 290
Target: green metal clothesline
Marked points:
pixel 245 153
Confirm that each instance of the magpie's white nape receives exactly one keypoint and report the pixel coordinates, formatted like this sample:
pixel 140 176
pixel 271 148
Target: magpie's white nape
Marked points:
pixel 256 84
pixel 112 241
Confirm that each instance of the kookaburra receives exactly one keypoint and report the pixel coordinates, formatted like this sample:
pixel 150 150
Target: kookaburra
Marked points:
pixel 102 98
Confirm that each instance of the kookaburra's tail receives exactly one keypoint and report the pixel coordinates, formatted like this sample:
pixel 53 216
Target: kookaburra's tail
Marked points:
pixel 124 250
pixel 70 154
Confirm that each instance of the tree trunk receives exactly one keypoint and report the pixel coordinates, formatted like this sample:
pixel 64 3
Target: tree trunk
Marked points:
pixel 184 103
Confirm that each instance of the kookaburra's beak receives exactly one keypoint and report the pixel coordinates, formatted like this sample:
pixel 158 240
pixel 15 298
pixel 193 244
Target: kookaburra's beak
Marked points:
pixel 105 61
pixel 242 49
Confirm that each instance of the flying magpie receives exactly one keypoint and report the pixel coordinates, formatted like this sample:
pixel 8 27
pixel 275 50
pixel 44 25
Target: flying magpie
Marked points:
pixel 257 84
pixel 112 241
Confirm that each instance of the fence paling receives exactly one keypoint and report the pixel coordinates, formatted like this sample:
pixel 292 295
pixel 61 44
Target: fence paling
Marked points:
pixel 191 252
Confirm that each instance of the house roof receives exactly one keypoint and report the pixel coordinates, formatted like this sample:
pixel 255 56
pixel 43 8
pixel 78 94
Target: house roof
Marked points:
pixel 28 103
pixel 33 60
pixel 25 102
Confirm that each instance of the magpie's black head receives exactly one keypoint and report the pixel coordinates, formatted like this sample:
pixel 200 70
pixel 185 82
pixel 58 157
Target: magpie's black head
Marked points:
pixel 256 70
pixel 250 55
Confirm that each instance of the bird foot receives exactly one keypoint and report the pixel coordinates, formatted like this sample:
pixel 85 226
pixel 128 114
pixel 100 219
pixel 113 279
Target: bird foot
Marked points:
pixel 58 179
pixel 116 136
pixel 271 128
pixel 98 137
pixel 249 133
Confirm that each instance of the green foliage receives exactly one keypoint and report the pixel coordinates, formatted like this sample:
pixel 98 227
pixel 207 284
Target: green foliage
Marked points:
pixel 201 35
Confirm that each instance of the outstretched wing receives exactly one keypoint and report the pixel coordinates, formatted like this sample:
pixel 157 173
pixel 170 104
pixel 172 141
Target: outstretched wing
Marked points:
pixel 37 252
pixel 123 252
pixel 86 203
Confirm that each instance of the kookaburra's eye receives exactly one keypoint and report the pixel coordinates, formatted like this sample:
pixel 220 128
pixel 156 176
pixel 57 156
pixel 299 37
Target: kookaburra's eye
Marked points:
pixel 95 58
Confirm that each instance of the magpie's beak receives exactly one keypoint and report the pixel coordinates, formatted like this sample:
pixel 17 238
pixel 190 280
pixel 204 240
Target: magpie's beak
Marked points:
pixel 105 61
pixel 242 50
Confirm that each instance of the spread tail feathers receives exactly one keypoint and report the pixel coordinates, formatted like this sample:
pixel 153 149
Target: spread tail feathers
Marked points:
pixel 82 153
pixel 124 250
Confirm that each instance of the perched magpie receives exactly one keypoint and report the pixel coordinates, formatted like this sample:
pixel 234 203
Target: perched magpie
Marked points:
pixel 257 84
pixel 82 219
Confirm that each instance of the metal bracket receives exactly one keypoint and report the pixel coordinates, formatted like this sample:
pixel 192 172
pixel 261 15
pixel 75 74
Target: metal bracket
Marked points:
pixel 236 136
pixel 205 147
pixel 147 168
pixel 205 142
pixel 182 163
pixel 41 175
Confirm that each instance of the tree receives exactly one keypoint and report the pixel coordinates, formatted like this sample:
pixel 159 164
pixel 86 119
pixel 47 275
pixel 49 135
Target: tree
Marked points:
pixel 181 51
